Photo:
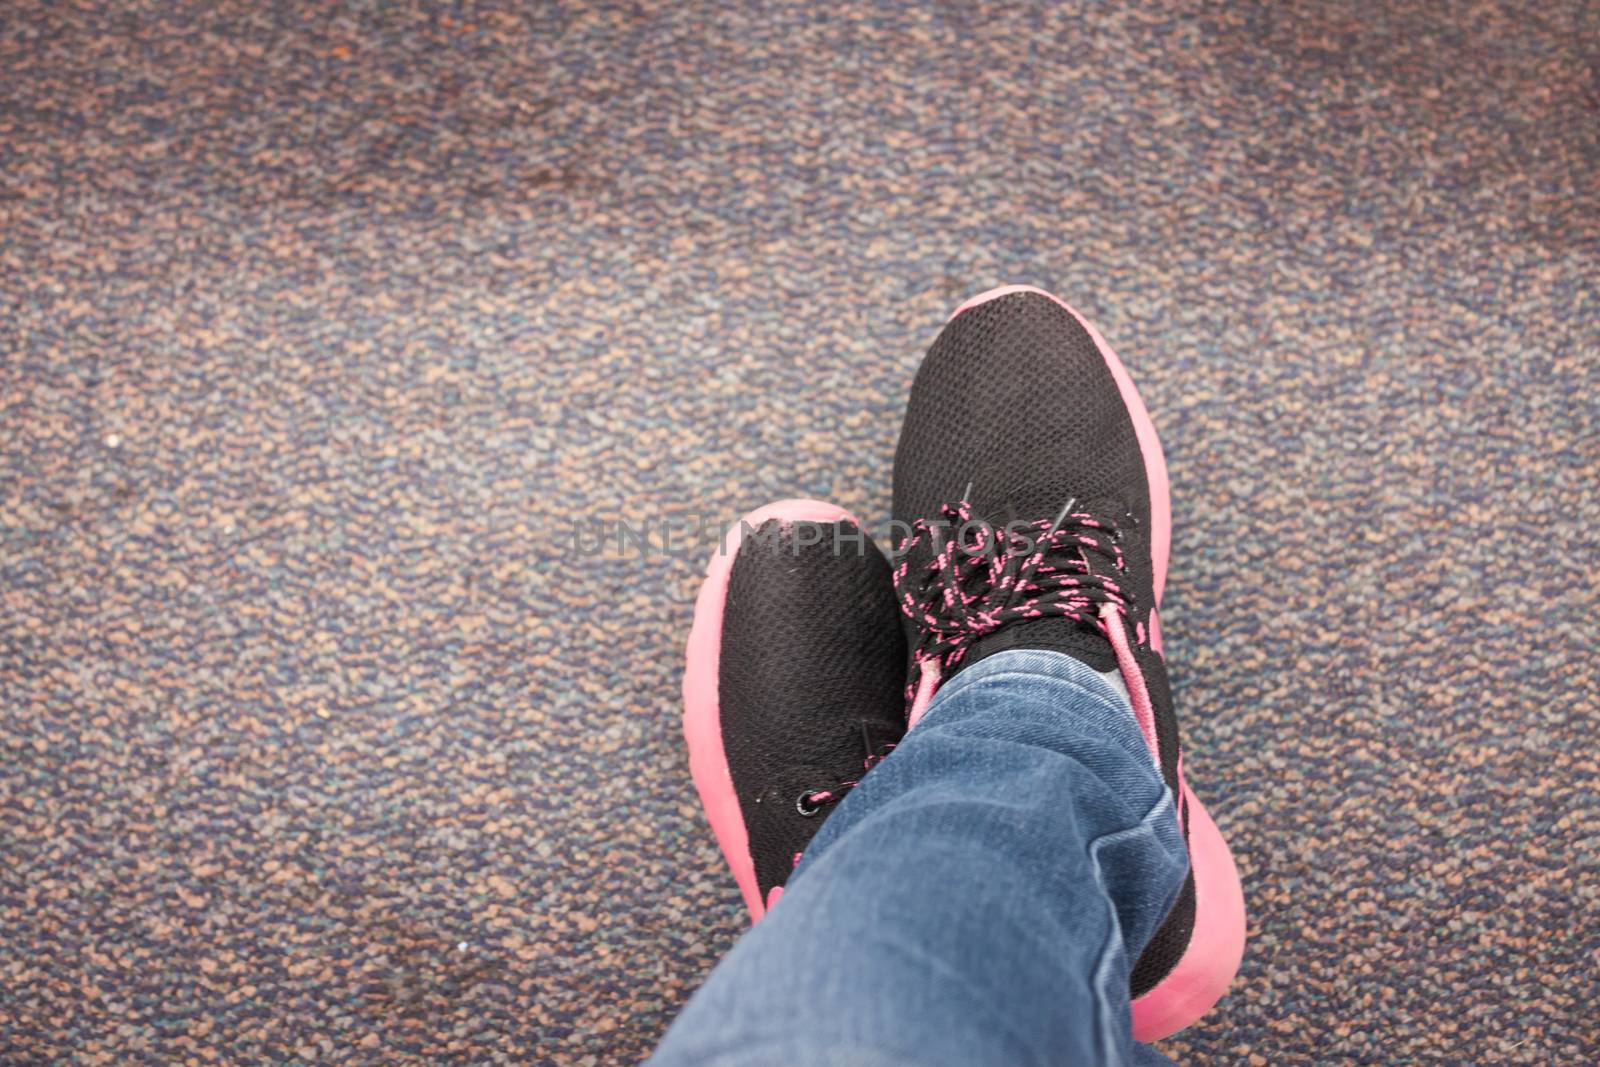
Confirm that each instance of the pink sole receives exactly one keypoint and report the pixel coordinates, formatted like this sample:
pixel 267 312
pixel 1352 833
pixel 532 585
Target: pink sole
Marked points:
pixel 1206 968
pixel 702 714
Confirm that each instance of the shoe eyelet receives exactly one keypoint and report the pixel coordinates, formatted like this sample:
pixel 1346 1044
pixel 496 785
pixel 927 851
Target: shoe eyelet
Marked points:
pixel 803 805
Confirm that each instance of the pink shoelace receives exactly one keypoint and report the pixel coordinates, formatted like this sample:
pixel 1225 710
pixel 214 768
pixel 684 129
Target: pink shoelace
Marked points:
pixel 980 579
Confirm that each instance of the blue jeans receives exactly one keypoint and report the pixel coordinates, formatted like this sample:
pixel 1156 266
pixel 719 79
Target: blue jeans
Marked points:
pixel 976 900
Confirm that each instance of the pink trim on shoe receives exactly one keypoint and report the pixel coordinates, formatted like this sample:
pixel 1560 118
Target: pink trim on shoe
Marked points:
pixel 1206 967
pixel 927 685
pixel 1144 713
pixel 702 711
pixel 1155 463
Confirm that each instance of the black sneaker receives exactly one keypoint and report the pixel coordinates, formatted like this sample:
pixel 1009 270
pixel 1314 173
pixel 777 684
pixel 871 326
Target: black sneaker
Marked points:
pixel 1059 542
pixel 794 686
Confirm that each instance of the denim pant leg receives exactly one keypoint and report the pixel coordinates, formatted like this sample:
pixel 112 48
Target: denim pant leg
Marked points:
pixel 976 900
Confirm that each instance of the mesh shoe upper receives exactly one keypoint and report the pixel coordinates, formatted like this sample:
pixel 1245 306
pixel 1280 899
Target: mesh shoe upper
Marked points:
pixel 811 678
pixel 1015 399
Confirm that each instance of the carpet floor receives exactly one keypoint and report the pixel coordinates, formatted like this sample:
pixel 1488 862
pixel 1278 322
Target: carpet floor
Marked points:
pixel 333 336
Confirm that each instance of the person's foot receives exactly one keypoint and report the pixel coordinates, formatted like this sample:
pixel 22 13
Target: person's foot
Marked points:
pixel 794 685
pixel 1021 414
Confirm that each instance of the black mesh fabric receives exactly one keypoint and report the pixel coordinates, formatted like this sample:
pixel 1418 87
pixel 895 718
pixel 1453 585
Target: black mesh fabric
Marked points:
pixel 1166 945
pixel 1015 399
pixel 811 677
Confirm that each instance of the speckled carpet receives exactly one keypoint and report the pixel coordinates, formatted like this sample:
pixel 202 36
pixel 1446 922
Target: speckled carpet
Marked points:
pixel 325 332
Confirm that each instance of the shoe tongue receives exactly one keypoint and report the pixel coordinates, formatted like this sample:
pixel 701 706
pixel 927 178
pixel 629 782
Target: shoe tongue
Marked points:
pixel 1068 636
